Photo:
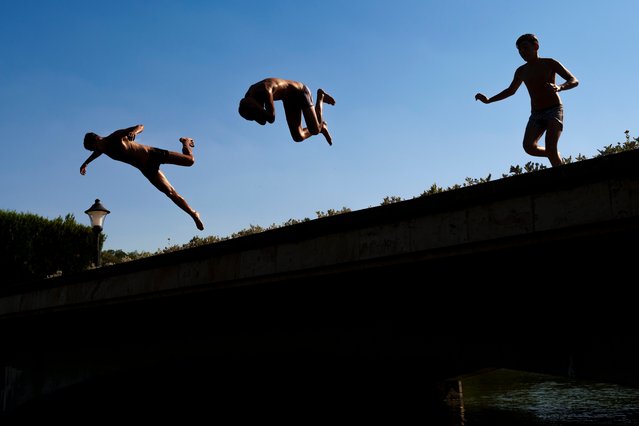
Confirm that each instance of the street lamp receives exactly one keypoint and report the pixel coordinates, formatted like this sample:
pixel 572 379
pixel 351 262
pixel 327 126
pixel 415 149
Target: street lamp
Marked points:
pixel 97 212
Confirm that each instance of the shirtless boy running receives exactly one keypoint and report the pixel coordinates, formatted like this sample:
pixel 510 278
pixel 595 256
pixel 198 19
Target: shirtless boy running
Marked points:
pixel 547 112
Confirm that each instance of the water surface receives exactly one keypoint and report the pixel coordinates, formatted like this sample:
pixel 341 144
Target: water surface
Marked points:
pixel 508 397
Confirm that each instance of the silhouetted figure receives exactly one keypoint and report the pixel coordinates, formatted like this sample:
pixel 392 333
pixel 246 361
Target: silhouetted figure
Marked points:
pixel 258 105
pixel 547 112
pixel 120 146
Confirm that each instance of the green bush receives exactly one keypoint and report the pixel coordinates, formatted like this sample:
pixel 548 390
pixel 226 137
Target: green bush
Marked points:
pixel 33 247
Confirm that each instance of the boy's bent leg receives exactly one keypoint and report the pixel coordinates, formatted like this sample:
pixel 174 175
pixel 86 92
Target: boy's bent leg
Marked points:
pixel 294 120
pixel 326 134
pixel 186 158
pixel 179 159
pixel 187 146
pixel 531 137
pixel 322 96
pixel 552 140
pixel 313 122
pixel 187 141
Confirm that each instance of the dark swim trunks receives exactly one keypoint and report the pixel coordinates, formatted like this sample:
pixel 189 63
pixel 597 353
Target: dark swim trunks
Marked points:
pixel 541 118
pixel 157 156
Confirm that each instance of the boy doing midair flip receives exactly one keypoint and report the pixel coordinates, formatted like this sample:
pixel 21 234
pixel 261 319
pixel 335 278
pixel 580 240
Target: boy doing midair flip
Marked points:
pixel 258 105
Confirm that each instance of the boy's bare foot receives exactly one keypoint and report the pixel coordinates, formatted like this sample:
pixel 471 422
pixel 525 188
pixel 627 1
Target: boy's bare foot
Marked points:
pixel 190 141
pixel 325 96
pixel 198 222
pixel 327 135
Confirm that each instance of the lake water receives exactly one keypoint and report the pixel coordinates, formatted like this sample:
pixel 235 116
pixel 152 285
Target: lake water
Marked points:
pixel 508 397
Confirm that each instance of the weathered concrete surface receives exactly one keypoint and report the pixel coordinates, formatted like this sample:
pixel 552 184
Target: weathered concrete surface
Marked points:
pixel 531 272
pixel 594 196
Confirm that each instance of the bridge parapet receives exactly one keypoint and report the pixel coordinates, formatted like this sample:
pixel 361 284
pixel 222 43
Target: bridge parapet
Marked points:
pixel 587 197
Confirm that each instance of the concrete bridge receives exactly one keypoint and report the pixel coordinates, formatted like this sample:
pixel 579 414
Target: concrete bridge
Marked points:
pixel 360 314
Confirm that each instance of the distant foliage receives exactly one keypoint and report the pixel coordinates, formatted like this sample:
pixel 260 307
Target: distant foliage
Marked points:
pixel 332 212
pixel 391 200
pixel 627 145
pixel 579 157
pixel 33 247
pixel 111 257
pixel 529 167
pixel 471 181
pixel 434 189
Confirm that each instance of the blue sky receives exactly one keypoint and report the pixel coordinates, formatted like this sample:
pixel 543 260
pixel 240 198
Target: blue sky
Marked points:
pixel 404 75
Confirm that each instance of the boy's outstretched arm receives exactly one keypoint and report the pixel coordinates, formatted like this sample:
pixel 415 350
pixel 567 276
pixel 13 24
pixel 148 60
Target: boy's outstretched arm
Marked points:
pixel 93 156
pixel 509 91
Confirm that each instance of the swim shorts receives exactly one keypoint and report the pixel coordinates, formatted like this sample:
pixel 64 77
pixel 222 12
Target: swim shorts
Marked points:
pixel 158 155
pixel 541 118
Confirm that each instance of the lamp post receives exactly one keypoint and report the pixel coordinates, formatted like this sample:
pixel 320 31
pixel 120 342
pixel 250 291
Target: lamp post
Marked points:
pixel 97 212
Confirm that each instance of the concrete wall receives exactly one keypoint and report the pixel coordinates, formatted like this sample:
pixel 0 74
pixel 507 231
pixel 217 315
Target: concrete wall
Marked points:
pixel 555 203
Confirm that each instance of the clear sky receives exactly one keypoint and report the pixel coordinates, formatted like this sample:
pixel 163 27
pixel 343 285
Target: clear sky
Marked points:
pixel 403 73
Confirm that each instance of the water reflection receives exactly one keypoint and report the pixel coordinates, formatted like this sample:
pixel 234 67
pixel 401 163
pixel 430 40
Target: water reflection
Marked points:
pixel 508 397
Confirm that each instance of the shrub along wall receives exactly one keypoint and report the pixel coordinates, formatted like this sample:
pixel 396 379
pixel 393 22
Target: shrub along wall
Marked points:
pixel 33 247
